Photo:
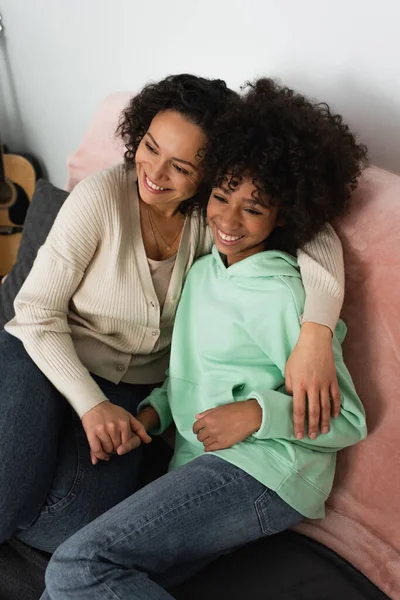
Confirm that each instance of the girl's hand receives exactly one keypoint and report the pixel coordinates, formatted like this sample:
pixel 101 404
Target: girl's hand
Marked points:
pixel 311 377
pixel 224 426
pixel 107 426
pixel 149 419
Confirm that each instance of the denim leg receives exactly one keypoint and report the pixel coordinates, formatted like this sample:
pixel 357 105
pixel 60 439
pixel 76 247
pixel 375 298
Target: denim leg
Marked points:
pixel 32 413
pixel 203 509
pixel 48 487
pixel 79 491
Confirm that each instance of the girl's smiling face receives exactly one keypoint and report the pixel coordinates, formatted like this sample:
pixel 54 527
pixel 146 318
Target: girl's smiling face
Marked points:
pixel 240 219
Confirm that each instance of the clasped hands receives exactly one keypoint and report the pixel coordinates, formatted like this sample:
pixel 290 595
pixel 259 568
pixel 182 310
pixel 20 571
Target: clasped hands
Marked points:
pixel 110 430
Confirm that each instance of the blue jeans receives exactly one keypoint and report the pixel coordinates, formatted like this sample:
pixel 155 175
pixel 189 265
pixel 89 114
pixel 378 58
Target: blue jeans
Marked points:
pixel 48 487
pixel 165 533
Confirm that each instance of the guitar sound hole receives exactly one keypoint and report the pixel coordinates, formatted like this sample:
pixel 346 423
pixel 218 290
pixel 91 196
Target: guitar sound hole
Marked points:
pixel 17 212
pixel 6 194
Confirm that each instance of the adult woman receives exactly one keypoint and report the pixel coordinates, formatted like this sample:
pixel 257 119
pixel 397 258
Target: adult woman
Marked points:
pixel 97 310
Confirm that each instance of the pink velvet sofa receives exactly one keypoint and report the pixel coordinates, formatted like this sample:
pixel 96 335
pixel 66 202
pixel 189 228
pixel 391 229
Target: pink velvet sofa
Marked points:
pixel 363 516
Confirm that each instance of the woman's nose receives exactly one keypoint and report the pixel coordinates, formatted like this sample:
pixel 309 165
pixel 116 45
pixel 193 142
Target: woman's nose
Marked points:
pixel 159 171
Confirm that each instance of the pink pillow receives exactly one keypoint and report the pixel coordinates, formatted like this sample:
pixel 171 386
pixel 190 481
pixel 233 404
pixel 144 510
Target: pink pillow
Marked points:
pixel 99 148
pixel 363 517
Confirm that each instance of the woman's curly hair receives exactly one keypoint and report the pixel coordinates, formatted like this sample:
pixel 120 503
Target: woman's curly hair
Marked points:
pixel 201 101
pixel 297 152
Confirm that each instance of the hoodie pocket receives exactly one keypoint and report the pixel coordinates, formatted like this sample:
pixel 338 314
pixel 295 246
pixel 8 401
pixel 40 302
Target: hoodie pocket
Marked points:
pixel 188 398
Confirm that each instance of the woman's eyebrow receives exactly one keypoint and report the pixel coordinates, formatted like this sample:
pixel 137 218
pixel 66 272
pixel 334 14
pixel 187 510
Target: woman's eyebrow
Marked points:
pixel 153 140
pixel 181 160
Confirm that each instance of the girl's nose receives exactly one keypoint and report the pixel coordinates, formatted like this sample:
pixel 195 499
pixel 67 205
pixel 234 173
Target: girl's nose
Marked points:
pixel 230 221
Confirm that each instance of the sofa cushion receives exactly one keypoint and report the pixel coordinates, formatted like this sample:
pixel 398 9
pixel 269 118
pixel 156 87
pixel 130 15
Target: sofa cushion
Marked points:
pixel 100 148
pixel 46 202
pixel 363 518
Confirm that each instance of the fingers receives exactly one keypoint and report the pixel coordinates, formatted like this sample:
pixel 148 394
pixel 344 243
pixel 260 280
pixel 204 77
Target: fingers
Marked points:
pixel 126 433
pixel 213 446
pixel 133 443
pixel 96 449
pixel 299 412
pixel 314 412
pixel 204 413
pixel 325 411
pixel 288 381
pixel 198 425
pixel 106 442
pixel 114 431
pixel 335 398
pixel 139 430
pixel 203 435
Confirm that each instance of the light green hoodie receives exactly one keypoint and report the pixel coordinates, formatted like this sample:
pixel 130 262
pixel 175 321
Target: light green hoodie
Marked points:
pixel 234 330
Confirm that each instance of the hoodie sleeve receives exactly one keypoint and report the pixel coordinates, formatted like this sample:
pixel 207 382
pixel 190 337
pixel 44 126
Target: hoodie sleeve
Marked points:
pixel 158 399
pixel 277 406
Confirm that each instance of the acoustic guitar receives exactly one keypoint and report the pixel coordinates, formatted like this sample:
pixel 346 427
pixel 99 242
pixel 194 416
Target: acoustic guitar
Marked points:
pixel 17 184
pixel 18 176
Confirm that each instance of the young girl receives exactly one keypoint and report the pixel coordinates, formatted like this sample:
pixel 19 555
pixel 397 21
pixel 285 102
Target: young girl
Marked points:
pixel 284 166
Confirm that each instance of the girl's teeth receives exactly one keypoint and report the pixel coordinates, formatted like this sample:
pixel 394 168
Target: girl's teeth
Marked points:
pixel 229 238
pixel 154 186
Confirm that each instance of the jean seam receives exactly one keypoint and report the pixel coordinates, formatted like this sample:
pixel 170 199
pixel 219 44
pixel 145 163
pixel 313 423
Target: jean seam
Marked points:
pixel 104 585
pixel 72 492
pixel 261 517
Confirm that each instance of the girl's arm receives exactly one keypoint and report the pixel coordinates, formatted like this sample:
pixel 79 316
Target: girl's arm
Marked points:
pixel 310 371
pixel 277 409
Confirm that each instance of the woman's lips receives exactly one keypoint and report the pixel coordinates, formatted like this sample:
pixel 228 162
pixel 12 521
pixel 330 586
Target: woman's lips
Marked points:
pixel 153 187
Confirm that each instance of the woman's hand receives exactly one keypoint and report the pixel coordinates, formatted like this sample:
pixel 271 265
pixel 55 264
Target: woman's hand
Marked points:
pixel 224 426
pixel 108 426
pixel 311 377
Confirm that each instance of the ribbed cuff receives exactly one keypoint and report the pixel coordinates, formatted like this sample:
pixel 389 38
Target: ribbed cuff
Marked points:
pixel 322 308
pixel 83 395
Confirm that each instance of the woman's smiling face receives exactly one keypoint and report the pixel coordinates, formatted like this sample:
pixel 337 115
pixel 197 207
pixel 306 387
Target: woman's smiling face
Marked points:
pixel 240 219
pixel 168 160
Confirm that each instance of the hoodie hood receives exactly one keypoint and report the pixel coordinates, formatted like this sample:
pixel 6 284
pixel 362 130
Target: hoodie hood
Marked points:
pixel 271 263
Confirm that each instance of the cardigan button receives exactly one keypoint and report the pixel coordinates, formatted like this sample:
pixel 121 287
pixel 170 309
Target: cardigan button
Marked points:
pixel 154 333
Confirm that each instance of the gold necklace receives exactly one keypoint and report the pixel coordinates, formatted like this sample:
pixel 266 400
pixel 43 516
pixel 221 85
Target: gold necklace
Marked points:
pixel 153 227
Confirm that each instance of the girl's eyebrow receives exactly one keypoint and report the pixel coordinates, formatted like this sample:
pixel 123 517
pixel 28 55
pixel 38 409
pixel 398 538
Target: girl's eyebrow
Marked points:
pixel 185 162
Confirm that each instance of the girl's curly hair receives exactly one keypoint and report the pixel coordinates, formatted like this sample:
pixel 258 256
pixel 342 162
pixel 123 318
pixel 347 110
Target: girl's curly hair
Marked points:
pixel 201 101
pixel 297 152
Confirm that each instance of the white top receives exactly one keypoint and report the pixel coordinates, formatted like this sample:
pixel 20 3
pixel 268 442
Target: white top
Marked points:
pixel 89 303
pixel 161 271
